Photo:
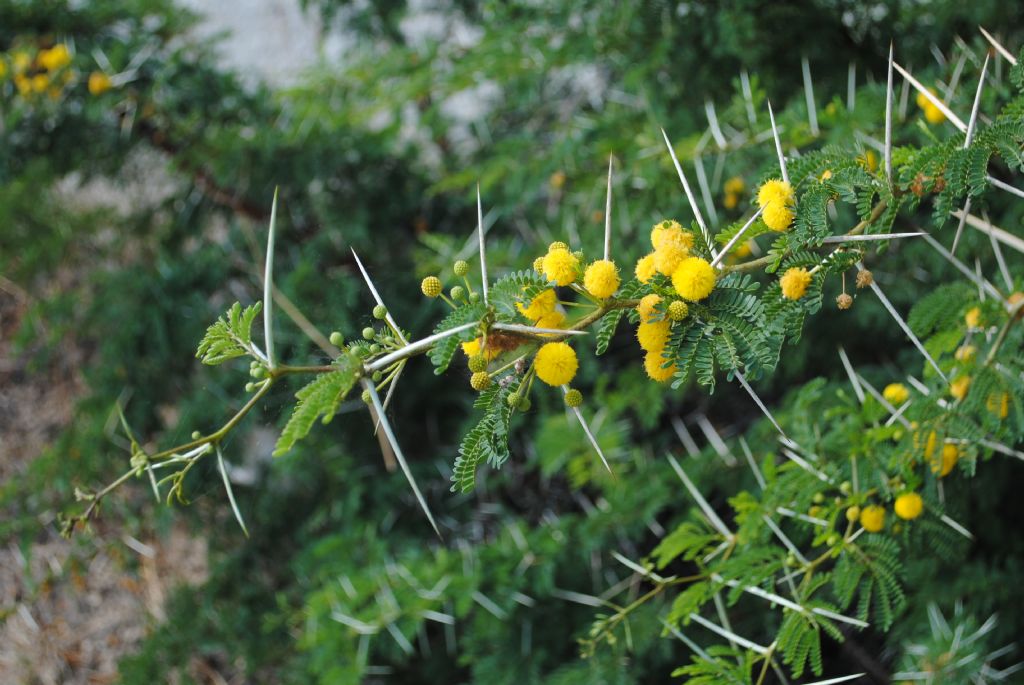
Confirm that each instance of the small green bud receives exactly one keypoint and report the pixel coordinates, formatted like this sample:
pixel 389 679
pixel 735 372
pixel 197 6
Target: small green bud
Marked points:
pixel 196 435
pixel 574 397
pixel 361 352
pixel 678 310
pixel 249 387
pixel 818 498
pixel 461 268
pixel 369 333
pixel 377 376
pixel 375 348
pixel 257 372
pixel 525 404
pixel 832 540
pixel 365 397
pixel 790 559
pixel 458 292
pixel 474 297
pixel 380 311
pixel 845 487
pixel 337 339
pixel 477 363
pixel 513 400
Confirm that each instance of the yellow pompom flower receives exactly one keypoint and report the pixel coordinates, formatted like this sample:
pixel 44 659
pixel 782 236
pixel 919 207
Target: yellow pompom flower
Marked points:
pixel 660 228
pixel 553 319
pixel 965 353
pixel 472 349
pixel 645 268
pixel 896 394
pixel 40 82
pixel 998 404
pixel 668 258
pixel 734 185
pixel 872 518
pixel 99 83
pixel 973 317
pixel 909 506
pixel 23 84
pixel 556 363
pixel 542 303
pixel 942 467
pixel 653 336
pixel 561 266
pixel 22 61
pixel 932 114
pixel 731 200
pixel 601 279
pixel 55 58
pixel 431 286
pixel 794 283
pixel 868 161
pixel 653 362
pixel 959 387
pixel 694 279
pixel 646 307
pixel 776 198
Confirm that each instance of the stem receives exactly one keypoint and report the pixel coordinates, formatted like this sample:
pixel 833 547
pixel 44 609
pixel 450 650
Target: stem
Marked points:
pixel 1003 332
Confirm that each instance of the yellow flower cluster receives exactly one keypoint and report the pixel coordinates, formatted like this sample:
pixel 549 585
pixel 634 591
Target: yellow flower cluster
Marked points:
pixel 932 114
pixel 794 283
pixel 959 387
pixel 601 279
pixel 541 305
pixel 776 199
pixel 896 394
pixel 908 506
pixel 47 72
pixel 694 279
pixel 653 337
pixel 872 518
pixel 560 265
pixel 556 363
pixel 733 188
pixel 473 348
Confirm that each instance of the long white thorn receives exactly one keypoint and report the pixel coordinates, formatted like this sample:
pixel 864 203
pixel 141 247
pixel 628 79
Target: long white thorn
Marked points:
pixel 893 411
pixel 785 539
pixel 968 139
pixel 705 189
pixel 701 502
pixel 1005 186
pixel 840 679
pixel 268 286
pixel 789 604
pixel 386 425
pixel 685 437
pixel 954 119
pixel 739 234
pixel 729 635
pixel 998 46
pixel 960 266
pixel 1003 269
pixel 694 647
pixel 637 568
pixel 802 463
pixel 903 324
pixel 748 98
pixel 608 214
pixel 812 110
pixel 689 193
pixel 590 434
pixel 753 465
pixel 851 87
pixel 956 526
pixel 868 238
pixel 757 400
pixel 778 144
pixel 414 347
pixel 480 234
pixel 857 390
pixel 521 328
pixel 888 120
pixel 376 297
pixel 231 495
pixel 716 130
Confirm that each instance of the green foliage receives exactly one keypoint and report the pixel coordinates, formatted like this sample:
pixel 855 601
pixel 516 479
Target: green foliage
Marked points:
pixel 488 440
pixel 441 354
pixel 319 398
pixel 231 337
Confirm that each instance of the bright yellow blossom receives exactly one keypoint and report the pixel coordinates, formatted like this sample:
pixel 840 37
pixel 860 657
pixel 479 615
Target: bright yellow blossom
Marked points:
pixel 55 58
pixel 99 83
pixel 556 363
pixel 646 308
pixel 694 279
pixel 542 303
pixel 872 518
pixel 794 283
pixel 645 268
pixel 896 394
pixel 653 336
pixel 653 362
pixel 909 506
pixel 601 279
pixel 561 266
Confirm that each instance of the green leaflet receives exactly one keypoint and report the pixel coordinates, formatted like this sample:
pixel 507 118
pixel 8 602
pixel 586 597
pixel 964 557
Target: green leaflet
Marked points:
pixel 443 350
pixel 488 440
pixel 229 337
pixel 606 330
pixel 320 397
pixel 519 286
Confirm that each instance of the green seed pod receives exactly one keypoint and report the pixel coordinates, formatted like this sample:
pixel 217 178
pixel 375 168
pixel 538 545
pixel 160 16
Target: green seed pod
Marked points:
pixel 458 292
pixel 574 398
pixel 853 514
pixel 257 372
pixel 369 333
pixel 474 297
pixel 832 540
pixel 337 339
pixel 845 487
pixel 375 348
pixel 431 286
pixel 477 363
pixel 461 268
pixel 380 312
pixel 249 387
pixel 365 397
pixel 513 400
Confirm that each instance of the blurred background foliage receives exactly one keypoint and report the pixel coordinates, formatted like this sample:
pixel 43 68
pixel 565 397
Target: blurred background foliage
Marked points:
pixel 131 215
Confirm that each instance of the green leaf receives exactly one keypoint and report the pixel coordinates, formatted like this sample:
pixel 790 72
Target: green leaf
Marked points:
pixel 231 337
pixel 443 350
pixel 606 330
pixel 320 397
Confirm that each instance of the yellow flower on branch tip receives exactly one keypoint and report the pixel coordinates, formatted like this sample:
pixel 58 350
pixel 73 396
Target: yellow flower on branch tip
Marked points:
pixel 653 336
pixel 896 394
pixel 668 257
pixel 55 58
pixel 472 348
pixel 908 506
pixel 645 268
pixel 872 518
pixel 959 387
pixel 556 363
pixel 694 279
pixel 973 317
pixel 99 83
pixel 777 199
pixel 777 217
pixel 601 279
pixel 659 230
pixel 541 304
pixel 653 365
pixel 646 307
pixel 998 404
pixel 561 266
pixel 794 283
pixel 942 467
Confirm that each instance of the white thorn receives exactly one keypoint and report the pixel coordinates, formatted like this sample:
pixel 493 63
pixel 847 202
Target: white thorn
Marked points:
pixel 841 679
pixel 721 449
pixel 480 234
pixel 637 568
pixel 608 214
pixel 961 267
pixel 785 539
pixel 520 328
pixel 867 238
pixel 386 425
pixel 586 429
pixel 231 494
pixel 999 48
pixel 789 604
pixel 884 402
pixel 957 527
pixel 685 437
pixel 954 79
pixel 701 502
pixel 954 119
pixel 802 463
pixel 778 144
pixel 851 87
pixel 705 190
pixel 903 324
pixel 739 234
pixel 812 110
pixel 1005 186
pixel 268 286
pixel 857 390
pixel 689 193
pixel 716 130
pixel 888 121
pixel 759 403
pixel 968 139
pixel 748 98
pixel 376 297
pixel 414 347
pixel 729 635
pixel 686 641
pixel 1003 269
pixel 753 466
